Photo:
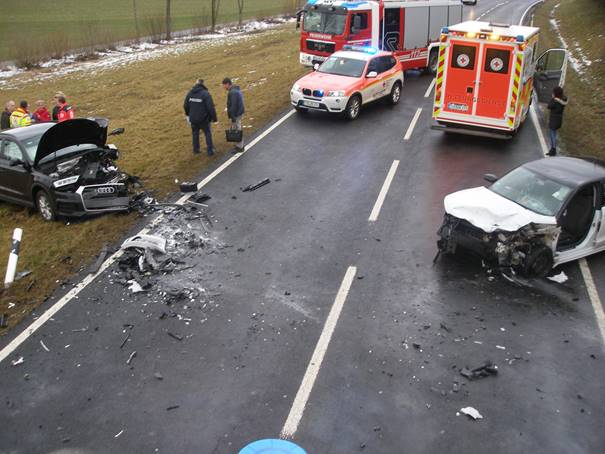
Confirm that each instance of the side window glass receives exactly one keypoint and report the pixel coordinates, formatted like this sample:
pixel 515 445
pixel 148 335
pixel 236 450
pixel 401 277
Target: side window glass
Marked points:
pixel 374 65
pixel 497 61
pixel 463 57
pixel 359 22
pixel 11 151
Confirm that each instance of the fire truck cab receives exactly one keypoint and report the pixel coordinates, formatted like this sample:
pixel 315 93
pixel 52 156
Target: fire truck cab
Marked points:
pixel 486 76
pixel 407 28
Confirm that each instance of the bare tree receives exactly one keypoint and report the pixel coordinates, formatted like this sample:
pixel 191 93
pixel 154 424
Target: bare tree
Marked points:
pixel 136 19
pixel 215 5
pixel 168 19
pixel 240 11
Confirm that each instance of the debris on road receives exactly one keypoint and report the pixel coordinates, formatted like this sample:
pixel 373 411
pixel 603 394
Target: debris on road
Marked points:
pixel 3 318
pixel 254 187
pixel 44 346
pixel 119 433
pixel 16 362
pixel 94 269
pixel 559 278
pixel 158 376
pixel 20 275
pixel 135 287
pixel 188 186
pixel 173 407
pixel 471 413
pixel 175 336
pixel 200 198
pixel 131 357
pixel 153 242
pixel 485 370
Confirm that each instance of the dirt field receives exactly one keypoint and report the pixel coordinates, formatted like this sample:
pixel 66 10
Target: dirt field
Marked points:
pixel 145 98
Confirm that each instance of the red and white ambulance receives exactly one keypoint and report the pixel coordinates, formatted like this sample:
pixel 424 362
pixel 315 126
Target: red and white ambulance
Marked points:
pixel 406 28
pixel 486 75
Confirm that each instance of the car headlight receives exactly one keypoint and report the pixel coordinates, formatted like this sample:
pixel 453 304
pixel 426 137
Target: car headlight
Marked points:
pixel 66 181
pixel 296 88
pixel 336 94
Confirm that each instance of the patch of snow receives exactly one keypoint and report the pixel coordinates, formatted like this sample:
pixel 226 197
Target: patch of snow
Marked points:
pixel 577 57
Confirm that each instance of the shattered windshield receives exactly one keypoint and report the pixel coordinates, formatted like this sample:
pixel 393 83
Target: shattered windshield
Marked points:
pixel 532 191
pixel 333 24
pixel 343 66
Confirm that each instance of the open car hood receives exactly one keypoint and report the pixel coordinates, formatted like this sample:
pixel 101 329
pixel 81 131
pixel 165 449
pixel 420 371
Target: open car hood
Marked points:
pixel 490 212
pixel 72 132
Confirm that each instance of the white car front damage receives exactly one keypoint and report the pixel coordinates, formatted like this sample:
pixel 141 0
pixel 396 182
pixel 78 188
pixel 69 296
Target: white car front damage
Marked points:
pixel 502 232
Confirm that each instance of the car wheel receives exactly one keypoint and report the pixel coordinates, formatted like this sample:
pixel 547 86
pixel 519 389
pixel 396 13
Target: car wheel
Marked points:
pixel 433 61
pixel 395 94
pixel 301 110
pixel 539 262
pixel 353 108
pixel 45 206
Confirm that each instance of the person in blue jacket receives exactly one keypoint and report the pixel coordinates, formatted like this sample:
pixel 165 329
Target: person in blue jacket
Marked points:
pixel 200 113
pixel 235 108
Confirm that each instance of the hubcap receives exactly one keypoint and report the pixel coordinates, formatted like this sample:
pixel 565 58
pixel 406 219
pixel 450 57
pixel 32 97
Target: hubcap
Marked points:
pixel 396 93
pixel 354 108
pixel 44 207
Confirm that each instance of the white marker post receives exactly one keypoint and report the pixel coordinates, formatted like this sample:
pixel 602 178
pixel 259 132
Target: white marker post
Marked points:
pixel 13 258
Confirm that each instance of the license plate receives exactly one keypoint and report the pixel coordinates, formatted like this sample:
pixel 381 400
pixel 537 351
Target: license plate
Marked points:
pixel 311 103
pixel 458 107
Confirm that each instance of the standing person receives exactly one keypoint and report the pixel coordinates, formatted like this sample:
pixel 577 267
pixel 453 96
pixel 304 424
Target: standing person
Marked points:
pixel 5 121
pixel 56 107
pixel 235 108
pixel 200 112
pixel 20 117
pixel 41 114
pixel 556 105
pixel 65 111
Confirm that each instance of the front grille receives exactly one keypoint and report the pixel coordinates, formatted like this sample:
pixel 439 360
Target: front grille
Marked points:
pixel 104 197
pixel 313 93
pixel 307 92
pixel 320 46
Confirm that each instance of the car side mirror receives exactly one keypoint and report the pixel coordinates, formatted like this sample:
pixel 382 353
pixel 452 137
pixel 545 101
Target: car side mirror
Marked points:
pixel 490 177
pixel 372 75
pixel 315 66
pixel 19 162
pixel 117 132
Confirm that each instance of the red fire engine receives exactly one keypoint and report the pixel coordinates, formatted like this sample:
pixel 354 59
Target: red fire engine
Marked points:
pixel 409 28
pixel 486 75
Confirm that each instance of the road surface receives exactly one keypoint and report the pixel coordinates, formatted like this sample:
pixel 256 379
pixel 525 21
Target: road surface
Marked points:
pixel 302 317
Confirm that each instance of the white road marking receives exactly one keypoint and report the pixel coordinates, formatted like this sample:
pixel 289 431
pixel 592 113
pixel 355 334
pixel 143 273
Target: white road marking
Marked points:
pixel 383 192
pixel 529 8
pixel 74 292
pixel 306 386
pixel 410 130
pixel 430 89
pixel 593 295
pixel 534 118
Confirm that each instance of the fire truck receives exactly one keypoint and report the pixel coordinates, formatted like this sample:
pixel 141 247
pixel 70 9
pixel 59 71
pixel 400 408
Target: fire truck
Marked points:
pixel 409 28
pixel 486 75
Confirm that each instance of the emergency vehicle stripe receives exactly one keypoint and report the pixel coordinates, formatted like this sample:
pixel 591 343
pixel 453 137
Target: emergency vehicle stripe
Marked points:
pixel 516 85
pixel 439 81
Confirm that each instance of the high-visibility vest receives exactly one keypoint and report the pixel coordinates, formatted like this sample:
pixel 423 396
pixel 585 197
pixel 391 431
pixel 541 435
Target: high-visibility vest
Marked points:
pixel 20 118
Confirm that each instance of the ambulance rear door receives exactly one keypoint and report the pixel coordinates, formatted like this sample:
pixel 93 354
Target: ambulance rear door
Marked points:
pixel 495 81
pixel 551 69
pixel 460 84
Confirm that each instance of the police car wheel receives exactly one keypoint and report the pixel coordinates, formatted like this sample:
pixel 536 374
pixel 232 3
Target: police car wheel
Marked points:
pixel 45 206
pixel 353 108
pixel 395 94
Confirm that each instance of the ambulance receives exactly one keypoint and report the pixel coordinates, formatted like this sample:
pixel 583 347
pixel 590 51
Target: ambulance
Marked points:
pixel 409 28
pixel 486 75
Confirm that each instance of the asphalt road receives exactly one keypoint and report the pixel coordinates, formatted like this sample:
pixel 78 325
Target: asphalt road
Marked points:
pixel 246 314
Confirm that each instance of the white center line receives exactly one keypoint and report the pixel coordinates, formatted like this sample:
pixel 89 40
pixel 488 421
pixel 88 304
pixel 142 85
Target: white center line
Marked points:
pixel 593 295
pixel 74 292
pixel 306 386
pixel 534 118
pixel 430 89
pixel 383 192
pixel 408 134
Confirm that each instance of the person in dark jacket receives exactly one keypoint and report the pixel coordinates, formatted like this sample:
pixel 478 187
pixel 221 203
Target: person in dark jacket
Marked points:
pixel 200 112
pixel 556 106
pixel 235 108
pixel 57 106
pixel 5 121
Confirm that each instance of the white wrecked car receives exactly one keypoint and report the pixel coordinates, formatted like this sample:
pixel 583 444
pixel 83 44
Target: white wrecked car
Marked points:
pixel 539 215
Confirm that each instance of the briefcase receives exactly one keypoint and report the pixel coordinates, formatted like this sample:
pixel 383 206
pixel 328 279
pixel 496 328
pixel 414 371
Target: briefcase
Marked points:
pixel 234 135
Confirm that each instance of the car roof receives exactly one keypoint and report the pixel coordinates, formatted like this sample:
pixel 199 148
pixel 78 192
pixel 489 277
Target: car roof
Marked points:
pixel 360 55
pixel 27 132
pixel 573 172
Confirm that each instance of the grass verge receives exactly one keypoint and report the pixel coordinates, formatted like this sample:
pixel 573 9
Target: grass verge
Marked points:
pixel 146 98
pixel 580 24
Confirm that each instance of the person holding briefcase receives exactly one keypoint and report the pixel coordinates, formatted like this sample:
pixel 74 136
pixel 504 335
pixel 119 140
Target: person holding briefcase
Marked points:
pixel 235 112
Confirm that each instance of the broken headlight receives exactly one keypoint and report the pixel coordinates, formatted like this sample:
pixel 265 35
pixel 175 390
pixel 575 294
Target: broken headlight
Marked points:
pixel 66 181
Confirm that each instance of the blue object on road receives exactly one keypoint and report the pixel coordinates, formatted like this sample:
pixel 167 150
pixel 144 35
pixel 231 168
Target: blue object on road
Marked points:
pixel 272 447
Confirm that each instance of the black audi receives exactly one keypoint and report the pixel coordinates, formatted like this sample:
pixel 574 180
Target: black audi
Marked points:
pixel 63 169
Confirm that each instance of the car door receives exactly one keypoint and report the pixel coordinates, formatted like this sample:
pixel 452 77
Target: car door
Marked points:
pixel 550 72
pixel 461 80
pixel 372 79
pixel 15 177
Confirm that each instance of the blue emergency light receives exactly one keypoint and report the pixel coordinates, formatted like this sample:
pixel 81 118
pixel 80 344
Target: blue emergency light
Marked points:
pixel 366 49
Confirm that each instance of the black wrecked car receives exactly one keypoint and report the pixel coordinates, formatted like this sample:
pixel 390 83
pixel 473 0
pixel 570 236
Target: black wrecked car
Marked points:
pixel 538 216
pixel 63 169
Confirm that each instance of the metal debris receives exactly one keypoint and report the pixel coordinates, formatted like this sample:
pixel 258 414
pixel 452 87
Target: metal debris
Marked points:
pixel 94 269
pixel 175 336
pixel 153 242
pixel 254 187
pixel 44 346
pixel 135 287
pixel 471 413
pixel 131 357
pixel 188 186
pixel 485 370
pixel 16 362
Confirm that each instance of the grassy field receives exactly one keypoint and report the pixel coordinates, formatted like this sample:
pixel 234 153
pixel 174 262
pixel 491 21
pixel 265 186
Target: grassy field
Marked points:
pixel 45 25
pixel 156 145
pixel 581 24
